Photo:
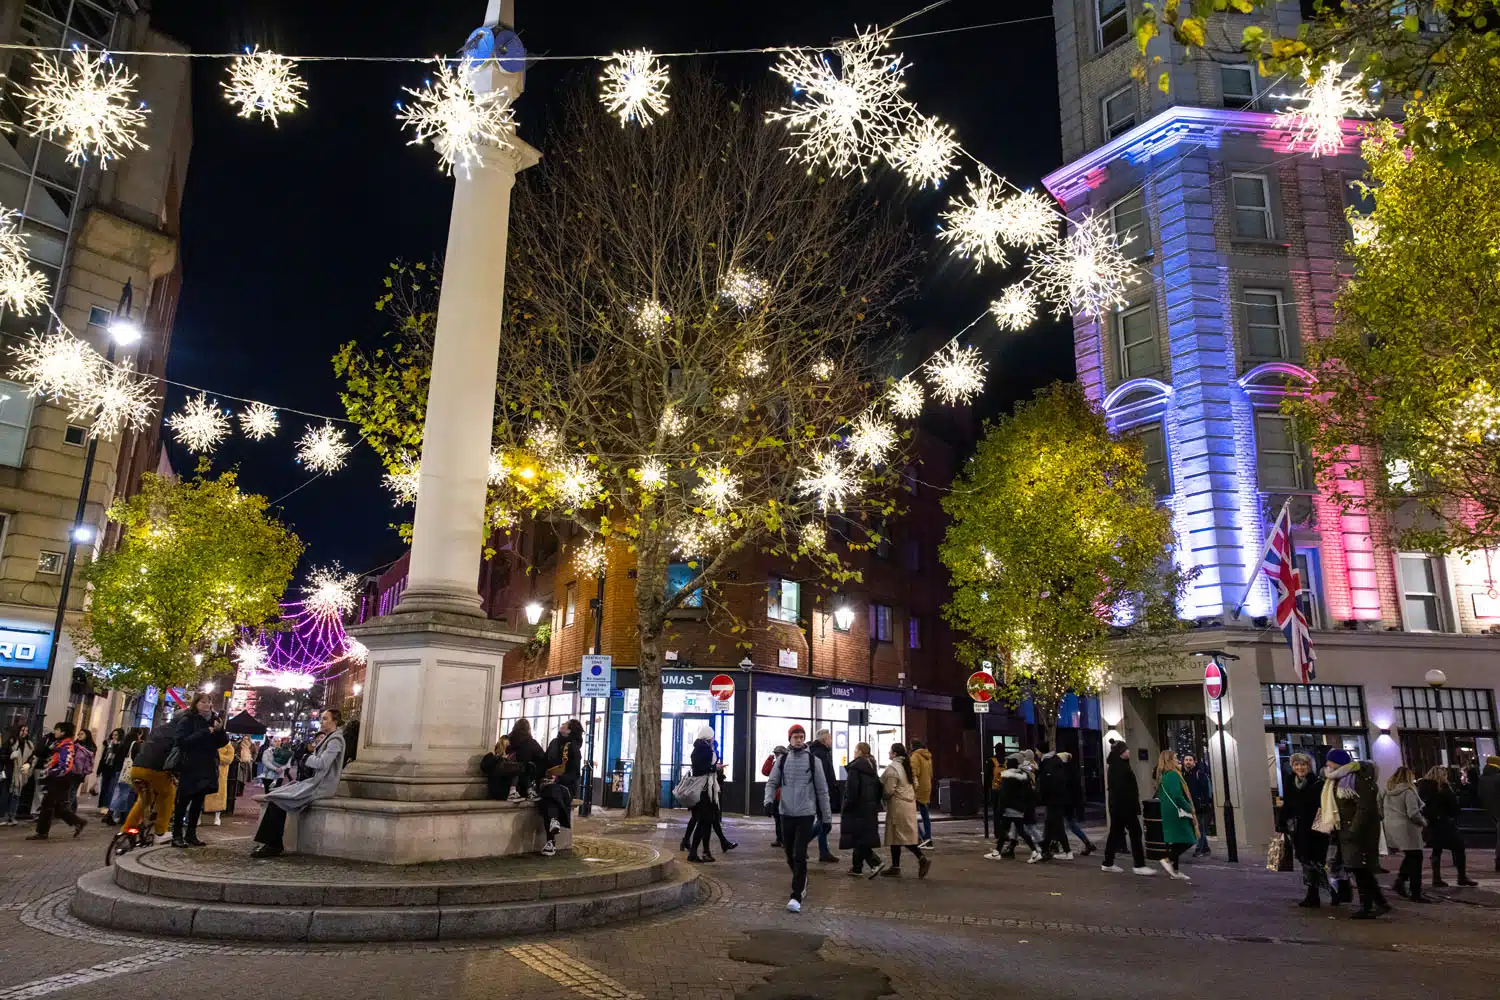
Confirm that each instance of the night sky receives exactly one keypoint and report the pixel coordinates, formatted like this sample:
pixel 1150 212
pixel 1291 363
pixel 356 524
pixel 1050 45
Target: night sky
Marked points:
pixel 286 233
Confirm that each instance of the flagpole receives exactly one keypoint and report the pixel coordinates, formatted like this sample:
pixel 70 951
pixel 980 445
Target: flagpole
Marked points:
pixel 1260 563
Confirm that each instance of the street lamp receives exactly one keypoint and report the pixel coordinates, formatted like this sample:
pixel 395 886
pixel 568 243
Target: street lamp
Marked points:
pixel 1435 680
pixel 533 613
pixel 843 617
pixel 83 533
pixel 357 689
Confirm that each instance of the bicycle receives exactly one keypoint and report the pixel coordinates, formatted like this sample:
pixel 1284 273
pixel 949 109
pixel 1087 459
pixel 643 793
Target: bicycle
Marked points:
pixel 129 838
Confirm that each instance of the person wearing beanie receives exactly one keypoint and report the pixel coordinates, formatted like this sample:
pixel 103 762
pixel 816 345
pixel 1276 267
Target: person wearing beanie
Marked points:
pixel 1124 800
pixel 706 810
pixel 798 788
pixel 1489 798
pixel 1351 805
pixel 1015 809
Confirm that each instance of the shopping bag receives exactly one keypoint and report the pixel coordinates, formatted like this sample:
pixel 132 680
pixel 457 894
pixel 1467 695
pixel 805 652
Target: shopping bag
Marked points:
pixel 1279 854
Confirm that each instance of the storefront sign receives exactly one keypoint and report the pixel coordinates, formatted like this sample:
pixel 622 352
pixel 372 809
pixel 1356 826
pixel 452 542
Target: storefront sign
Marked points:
pixel 537 690
pixel 786 659
pixel 722 687
pixel 846 692
pixel 24 649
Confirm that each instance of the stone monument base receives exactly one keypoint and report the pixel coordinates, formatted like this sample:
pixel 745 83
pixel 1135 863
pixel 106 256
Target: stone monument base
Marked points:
pixel 407 833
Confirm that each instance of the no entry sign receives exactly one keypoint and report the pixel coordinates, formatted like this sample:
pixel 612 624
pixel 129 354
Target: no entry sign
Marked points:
pixel 1213 680
pixel 981 685
pixel 722 687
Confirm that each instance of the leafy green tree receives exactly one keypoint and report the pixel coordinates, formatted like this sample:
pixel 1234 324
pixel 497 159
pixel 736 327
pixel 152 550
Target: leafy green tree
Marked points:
pixel 198 560
pixel 1056 536
pixel 1411 373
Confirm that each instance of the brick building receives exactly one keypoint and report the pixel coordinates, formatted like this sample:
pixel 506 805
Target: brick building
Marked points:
pixel 1241 244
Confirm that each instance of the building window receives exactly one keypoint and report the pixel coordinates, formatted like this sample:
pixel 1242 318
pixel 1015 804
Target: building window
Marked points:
pixel 679 575
pixel 1240 87
pixel 1154 451
pixel 99 316
pixel 570 608
pixel 15 422
pixel 783 599
pixel 914 632
pixel 1450 709
pixel 880 622
pixel 1128 217
pixel 1113 18
pixel 913 555
pixel 74 435
pixel 1135 333
pixel 1313 706
pixel 1278 456
pixel 1265 325
pixel 1310 596
pixel 50 563
pixel 1119 111
pixel 1420 579
pixel 1252 206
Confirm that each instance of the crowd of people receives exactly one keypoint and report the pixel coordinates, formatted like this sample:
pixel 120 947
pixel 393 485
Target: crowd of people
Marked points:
pixel 518 769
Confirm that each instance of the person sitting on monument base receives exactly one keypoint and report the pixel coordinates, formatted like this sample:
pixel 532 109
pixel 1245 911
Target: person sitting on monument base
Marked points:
pixel 325 763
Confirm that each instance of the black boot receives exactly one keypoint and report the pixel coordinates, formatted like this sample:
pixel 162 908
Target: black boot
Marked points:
pixel 1088 848
pixel 1311 900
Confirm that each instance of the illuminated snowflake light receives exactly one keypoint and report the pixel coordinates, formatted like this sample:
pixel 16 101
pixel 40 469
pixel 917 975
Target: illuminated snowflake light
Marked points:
pixel 753 364
pixel 259 421
pixel 458 120
pixel 906 398
pixel 1323 105
pixel 404 479
pixel 635 86
pixel 652 475
pixel 924 152
pixel 849 118
pixel 697 536
pixel 651 318
pixel 323 449
pixel 89 104
pixel 815 536
pixel 57 364
pixel 717 487
pixel 1015 309
pixel 823 369
pixel 743 288
pixel 591 558
pixel 872 438
pixel 251 656
pixel 673 422
pixel 544 439
pixel 1027 219
pixel 330 592
pixel 116 399
pixel 974 225
pixel 1084 273
pixel 576 482
pixel 956 373
pixel 830 481
pixel 264 85
pixel 290 680
pixel 23 289
pixel 357 652
pixel 499 469
pixel 731 401
pixel 200 426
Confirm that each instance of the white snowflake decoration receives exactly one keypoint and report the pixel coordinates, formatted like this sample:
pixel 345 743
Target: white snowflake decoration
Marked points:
pixel 1084 273
pixel 200 426
pixel 458 120
pixel 872 438
pixel 357 652
pixel 906 398
pixel 956 373
pixel 651 318
pixel 635 86
pixel 503 517
pixel 576 482
pixel 815 536
pixel 57 364
pixel 1015 309
pixel 259 421
pixel 731 401
pixel 652 475
pixel 849 118
pixel 1027 219
pixel 23 289
pixel 717 487
pixel 544 439
pixel 116 399
pixel 251 656
pixel 591 558
pixel 89 105
pixel 673 422
pixel 1324 104
pixel 404 479
pixel 698 535
pixel 753 364
pixel 974 225
pixel 323 449
pixel 743 288
pixel 823 369
pixel 924 152
pixel 264 85
pixel 330 592
pixel 499 468
pixel 830 481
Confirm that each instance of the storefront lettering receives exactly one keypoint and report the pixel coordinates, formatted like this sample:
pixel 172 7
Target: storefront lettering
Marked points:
pixel 17 651
pixel 684 680
pixel 835 691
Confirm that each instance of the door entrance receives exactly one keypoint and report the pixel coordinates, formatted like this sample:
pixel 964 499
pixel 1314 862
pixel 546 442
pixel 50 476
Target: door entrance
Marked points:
pixel 1188 734
pixel 678 763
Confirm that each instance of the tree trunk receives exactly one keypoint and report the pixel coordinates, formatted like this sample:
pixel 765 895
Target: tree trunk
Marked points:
pixel 645 782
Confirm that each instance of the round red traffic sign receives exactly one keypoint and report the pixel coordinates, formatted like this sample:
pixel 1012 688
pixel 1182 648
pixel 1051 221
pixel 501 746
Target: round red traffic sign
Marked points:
pixel 722 687
pixel 1213 680
pixel 981 685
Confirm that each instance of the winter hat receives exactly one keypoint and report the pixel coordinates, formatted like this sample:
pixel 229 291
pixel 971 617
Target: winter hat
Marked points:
pixel 1338 757
pixel 705 732
pixel 796 730
pixel 1492 761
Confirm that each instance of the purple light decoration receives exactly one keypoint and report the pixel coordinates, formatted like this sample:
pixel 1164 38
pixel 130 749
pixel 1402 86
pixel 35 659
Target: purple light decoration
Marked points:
pixel 312 646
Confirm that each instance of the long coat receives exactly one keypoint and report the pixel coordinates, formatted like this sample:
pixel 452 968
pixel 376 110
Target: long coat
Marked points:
pixel 1359 817
pixel 1173 793
pixel 1402 812
pixel 859 821
pixel 327 764
pixel 1440 806
pixel 199 743
pixel 1123 792
pixel 1299 809
pixel 900 806
pixel 921 770
pixel 218 801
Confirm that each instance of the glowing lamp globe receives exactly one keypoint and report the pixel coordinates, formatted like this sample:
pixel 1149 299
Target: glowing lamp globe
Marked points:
pixel 843 617
pixel 533 613
pixel 1436 678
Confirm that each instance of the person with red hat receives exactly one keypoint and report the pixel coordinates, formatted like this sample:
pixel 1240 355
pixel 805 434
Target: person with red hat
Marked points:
pixel 803 801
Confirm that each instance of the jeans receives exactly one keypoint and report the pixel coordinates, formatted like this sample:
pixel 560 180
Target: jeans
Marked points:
pixel 824 829
pixel 106 788
pixel 924 821
pixel 1074 829
pixel 1121 827
pixel 796 833
pixel 55 802
pixel 12 803
pixel 1013 826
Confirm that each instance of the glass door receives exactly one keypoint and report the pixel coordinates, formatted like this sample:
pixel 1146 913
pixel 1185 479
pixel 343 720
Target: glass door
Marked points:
pixel 677 762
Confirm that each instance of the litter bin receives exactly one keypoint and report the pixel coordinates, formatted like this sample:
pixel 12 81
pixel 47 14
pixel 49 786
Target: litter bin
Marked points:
pixel 958 797
pixel 1156 845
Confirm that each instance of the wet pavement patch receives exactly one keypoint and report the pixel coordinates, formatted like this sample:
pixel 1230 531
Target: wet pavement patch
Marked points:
pixel 773 947
pixel 802 972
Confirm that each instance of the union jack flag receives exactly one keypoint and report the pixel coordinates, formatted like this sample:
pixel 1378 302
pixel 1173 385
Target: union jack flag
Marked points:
pixel 1280 566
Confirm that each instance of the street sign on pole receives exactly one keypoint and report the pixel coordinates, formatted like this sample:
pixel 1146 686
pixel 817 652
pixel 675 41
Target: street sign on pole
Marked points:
pixel 981 686
pixel 721 687
pixel 597 677
pixel 981 707
pixel 1213 680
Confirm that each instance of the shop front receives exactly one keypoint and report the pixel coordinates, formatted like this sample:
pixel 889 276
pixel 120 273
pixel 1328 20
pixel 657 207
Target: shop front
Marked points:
pixel 691 699
pixel 23 665
pixel 852 714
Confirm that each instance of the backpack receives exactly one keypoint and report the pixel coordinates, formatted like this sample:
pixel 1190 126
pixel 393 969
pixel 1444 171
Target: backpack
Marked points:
pixel 83 761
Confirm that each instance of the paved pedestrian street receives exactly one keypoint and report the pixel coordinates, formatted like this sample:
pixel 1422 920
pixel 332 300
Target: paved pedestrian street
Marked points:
pixel 973 928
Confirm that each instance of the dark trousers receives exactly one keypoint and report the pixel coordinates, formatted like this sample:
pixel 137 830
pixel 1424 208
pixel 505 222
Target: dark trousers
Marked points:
pixel 896 854
pixel 776 815
pixel 824 829
pixel 57 794
pixel 865 856
pixel 1370 895
pixel 106 788
pixel 1015 829
pixel 272 826
pixel 796 833
pixel 1053 833
pixel 185 813
pixel 701 827
pixel 1120 827
pixel 924 821
pixel 716 824
pixel 1454 843
pixel 1176 851
pixel 1410 875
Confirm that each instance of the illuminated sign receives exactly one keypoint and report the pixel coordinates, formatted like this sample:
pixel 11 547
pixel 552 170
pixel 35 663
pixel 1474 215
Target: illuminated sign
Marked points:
pixel 24 649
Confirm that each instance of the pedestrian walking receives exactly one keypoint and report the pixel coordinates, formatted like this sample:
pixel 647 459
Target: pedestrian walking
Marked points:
pixel 1052 786
pixel 822 749
pixel 217 800
pixel 198 736
pixel 1201 789
pixel 701 826
pixel 560 782
pixel 775 807
pixel 1123 797
pixel 715 815
pixel 1015 811
pixel 1350 807
pixel 1401 812
pixel 1179 823
pixel 1489 799
pixel 1073 810
pixel 18 752
pixel 263 760
pixel 111 760
pixel 859 820
pixel 324 765
pixel 1440 806
pixel 84 741
pixel 799 789
pixel 901 813
pixel 1302 796
pixel 68 764
pixel 921 769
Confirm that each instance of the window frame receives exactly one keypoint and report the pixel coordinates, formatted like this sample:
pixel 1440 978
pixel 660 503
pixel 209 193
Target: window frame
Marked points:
pixel 1117 320
pixel 570 605
pixel 14 391
pixel 1141 230
pixel 1474 704
pixel 1122 16
pixel 1301 466
pixel 880 617
pixel 1284 341
pixel 1344 700
pixel 1309 562
pixel 1265 210
pixel 1256 93
pixel 1111 132
pixel 913 632
pixel 1442 612
pixel 1141 431
pixel 776 609
pixel 41 562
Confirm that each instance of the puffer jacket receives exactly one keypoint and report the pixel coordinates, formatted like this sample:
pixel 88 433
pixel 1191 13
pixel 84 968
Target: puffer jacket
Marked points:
pixel 798 777
pixel 1016 792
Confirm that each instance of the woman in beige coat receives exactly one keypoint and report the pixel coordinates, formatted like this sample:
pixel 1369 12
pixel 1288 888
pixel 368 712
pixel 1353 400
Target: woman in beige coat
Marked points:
pixel 217 802
pixel 899 788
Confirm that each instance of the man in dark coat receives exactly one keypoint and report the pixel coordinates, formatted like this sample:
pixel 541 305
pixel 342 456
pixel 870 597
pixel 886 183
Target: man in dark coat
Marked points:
pixel 1052 782
pixel 197 735
pixel 1123 796
pixel 1489 798
pixel 1201 790
pixel 859 821
pixel 1015 811
pixel 822 751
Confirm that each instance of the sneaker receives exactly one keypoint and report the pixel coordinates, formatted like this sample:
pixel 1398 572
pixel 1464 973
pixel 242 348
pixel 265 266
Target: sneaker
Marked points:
pixel 1035 857
pixel 854 874
pixel 728 846
pixel 1112 868
pixel 549 849
pixel 514 796
pixel 1064 856
pixel 927 845
pixel 266 851
pixel 163 838
pixel 1179 876
pixel 994 856
pixel 877 868
pixel 532 796
pixel 1144 870
pixel 924 865
pixel 793 906
pixel 553 826
pixel 1166 866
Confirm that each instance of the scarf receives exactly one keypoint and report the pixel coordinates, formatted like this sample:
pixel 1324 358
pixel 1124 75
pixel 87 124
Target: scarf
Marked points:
pixel 1337 784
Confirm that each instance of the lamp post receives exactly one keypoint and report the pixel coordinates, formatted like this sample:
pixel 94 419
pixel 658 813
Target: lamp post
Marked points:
pixel 586 798
pixel 124 332
pixel 1435 680
pixel 1231 847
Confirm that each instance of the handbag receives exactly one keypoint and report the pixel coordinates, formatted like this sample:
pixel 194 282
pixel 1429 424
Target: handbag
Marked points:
pixel 1279 854
pixel 689 790
pixel 173 763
